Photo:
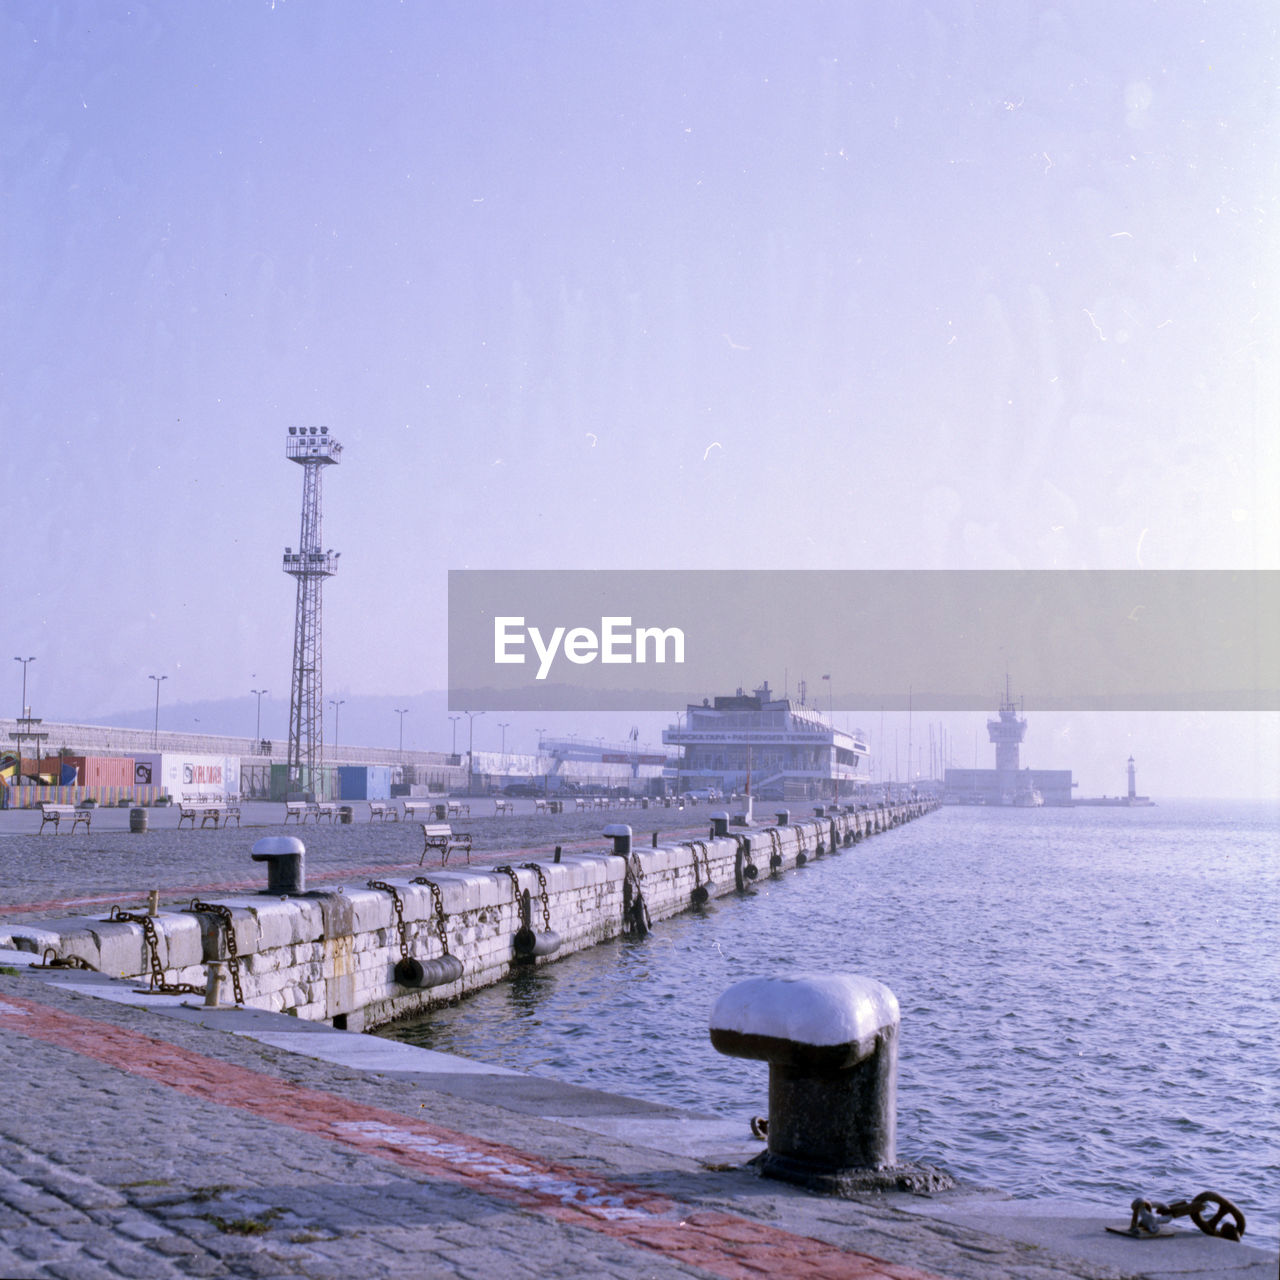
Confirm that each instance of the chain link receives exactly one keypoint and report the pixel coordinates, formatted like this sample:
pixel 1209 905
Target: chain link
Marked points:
pixel 441 919
pixel 157 983
pixel 542 885
pixel 401 927
pixel 521 912
pixel 229 936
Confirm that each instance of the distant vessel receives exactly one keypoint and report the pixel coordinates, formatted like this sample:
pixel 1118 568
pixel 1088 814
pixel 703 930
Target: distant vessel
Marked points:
pixel 1028 795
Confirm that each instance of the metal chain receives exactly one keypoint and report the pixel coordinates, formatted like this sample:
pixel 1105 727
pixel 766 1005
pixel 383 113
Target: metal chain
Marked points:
pixel 542 885
pixel 515 892
pixel 1150 1216
pixel 441 919
pixel 229 935
pixel 401 927
pixel 157 983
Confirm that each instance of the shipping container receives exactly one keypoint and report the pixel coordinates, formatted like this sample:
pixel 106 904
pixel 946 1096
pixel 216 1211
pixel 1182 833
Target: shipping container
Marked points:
pixel 98 771
pixel 364 782
pixel 185 776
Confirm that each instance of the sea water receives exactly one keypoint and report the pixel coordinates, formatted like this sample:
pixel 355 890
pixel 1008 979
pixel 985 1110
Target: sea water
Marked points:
pixel 1089 997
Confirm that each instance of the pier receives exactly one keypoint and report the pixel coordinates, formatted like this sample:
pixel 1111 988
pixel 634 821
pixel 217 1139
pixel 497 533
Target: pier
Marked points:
pixel 156 1135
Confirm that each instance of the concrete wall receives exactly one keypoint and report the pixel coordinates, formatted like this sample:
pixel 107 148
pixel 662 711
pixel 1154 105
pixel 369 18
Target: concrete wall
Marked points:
pixel 332 954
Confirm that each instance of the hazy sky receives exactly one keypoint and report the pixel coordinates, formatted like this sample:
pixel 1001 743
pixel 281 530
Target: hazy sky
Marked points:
pixel 699 285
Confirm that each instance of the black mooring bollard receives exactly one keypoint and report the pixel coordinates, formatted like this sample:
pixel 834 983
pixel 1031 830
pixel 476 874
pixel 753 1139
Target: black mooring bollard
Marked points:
pixel 831 1042
pixel 620 834
pixel 285 857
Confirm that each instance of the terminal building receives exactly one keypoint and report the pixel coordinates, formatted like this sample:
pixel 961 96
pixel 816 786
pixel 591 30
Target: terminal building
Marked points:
pixel 784 748
pixel 1008 783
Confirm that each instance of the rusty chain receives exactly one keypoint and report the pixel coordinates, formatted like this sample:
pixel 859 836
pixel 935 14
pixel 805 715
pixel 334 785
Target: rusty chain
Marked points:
pixel 1149 1216
pixel 157 984
pixel 522 913
pixel 546 897
pixel 441 919
pixel 401 928
pixel 229 936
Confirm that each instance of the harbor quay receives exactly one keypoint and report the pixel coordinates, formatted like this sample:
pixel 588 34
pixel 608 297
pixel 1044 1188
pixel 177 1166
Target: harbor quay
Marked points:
pixel 155 1135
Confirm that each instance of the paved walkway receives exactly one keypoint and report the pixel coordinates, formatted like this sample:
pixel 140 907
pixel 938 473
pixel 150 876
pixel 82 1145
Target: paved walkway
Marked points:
pixel 170 1140
pixel 147 1136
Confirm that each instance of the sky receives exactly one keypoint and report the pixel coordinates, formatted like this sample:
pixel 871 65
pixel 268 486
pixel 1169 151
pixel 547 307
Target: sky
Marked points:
pixel 671 285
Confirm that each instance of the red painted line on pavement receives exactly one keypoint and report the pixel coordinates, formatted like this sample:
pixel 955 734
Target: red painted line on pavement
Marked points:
pixel 722 1244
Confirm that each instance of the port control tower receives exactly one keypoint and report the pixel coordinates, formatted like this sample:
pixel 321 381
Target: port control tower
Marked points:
pixel 1007 733
pixel 314 449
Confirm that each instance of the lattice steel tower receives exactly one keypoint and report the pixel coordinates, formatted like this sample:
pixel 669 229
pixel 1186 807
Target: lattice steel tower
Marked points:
pixel 314 449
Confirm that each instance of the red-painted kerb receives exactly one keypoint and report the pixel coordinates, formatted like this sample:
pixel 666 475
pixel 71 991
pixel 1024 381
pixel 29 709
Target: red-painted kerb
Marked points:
pixel 721 1244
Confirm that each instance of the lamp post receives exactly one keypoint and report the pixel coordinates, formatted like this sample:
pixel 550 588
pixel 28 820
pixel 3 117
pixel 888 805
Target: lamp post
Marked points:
pixel 155 728
pixel 546 778
pixel 258 729
pixel 335 704
pixel 471 737
pixel 504 726
pixel 22 715
pixel 401 712
pixel 24 662
pixel 454 721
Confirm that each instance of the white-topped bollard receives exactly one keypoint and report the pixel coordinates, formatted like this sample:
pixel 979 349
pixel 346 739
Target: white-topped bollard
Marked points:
pixel 285 857
pixel 831 1042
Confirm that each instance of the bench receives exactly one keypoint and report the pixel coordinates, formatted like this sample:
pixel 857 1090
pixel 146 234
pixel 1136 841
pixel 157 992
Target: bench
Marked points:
pixel 439 835
pixel 457 809
pixel 217 812
pixel 540 806
pixel 580 804
pixel 323 809
pixel 304 809
pixel 383 812
pixel 295 809
pixel 54 813
pixel 414 807
pixel 503 806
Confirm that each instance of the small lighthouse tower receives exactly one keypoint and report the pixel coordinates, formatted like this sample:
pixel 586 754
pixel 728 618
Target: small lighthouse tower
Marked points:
pixel 1133 780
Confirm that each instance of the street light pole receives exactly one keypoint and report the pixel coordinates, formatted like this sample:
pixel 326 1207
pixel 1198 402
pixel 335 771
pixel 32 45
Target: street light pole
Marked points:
pixel 155 728
pixel 471 757
pixel 546 777
pixel 24 662
pixel 335 704
pixel 454 721
pixel 401 712
pixel 258 730
pixel 504 726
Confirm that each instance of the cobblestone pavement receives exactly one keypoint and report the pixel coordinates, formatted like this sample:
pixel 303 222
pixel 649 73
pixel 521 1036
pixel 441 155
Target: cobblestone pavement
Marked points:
pixel 142 1146
pixel 65 874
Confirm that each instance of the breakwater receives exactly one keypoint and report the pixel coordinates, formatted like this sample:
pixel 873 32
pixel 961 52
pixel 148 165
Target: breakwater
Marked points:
pixel 348 955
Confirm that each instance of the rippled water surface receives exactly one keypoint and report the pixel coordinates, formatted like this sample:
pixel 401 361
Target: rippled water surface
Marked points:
pixel 1089 997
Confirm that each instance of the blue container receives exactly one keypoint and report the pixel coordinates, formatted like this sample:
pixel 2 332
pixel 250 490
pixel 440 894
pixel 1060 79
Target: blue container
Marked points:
pixel 364 782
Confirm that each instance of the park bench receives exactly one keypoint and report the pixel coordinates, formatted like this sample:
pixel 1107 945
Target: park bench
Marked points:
pixel 439 835
pixel 323 809
pixel 503 806
pixel 54 813
pixel 457 809
pixel 414 807
pixel 540 806
pixel 296 809
pixel 383 812
pixel 580 804
pixel 216 811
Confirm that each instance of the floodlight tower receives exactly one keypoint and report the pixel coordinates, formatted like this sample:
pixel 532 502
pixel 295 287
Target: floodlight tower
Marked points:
pixel 313 448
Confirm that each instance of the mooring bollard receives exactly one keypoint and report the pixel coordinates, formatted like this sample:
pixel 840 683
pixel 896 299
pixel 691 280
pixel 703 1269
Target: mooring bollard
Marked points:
pixel 620 834
pixel 719 824
pixel 783 816
pixel 285 857
pixel 831 1042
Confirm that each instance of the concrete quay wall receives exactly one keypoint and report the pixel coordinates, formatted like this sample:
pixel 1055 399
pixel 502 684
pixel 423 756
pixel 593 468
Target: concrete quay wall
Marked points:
pixel 331 955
